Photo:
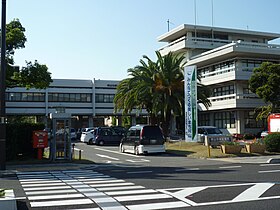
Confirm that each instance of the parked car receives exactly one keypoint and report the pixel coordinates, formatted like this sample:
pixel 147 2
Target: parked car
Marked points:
pixel 211 135
pixel 120 130
pixel 106 135
pixel 88 137
pixel 143 139
pixel 81 130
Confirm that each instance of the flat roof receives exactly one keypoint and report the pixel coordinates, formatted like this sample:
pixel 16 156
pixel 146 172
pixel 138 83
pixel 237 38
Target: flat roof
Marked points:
pixel 182 30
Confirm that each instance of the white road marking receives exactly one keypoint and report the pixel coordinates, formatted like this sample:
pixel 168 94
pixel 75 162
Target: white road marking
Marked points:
pixel 141 197
pixel 63 196
pixel 42 181
pixel 106 181
pixel 46 188
pixel 106 150
pixel 225 167
pixel 163 205
pixel 271 164
pixel 104 189
pixel 61 202
pixel 111 185
pixel 254 192
pixel 43 184
pixel 106 156
pixel 50 192
pixel 130 192
pixel 138 161
pixel 271 171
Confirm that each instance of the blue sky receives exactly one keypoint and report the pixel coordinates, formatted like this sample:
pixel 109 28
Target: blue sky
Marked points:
pixel 101 39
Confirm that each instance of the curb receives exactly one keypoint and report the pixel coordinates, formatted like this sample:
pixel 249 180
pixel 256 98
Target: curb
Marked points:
pixel 273 160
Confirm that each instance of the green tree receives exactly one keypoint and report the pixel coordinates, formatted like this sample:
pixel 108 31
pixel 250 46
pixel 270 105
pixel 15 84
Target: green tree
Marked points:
pixel 34 75
pixel 265 82
pixel 157 87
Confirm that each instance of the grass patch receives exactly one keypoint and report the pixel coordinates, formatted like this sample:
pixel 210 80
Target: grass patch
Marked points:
pixel 197 150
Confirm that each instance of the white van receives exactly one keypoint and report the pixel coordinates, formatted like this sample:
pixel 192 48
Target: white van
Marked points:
pixel 143 139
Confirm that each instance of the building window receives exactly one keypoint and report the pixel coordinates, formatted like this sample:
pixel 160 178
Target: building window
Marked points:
pixel 224 120
pixel 70 97
pixel 25 97
pixel 250 120
pixel 104 98
pixel 204 119
pixel 225 90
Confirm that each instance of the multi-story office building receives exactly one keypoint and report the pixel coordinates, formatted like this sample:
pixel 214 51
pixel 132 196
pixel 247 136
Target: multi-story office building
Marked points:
pixel 89 102
pixel 225 58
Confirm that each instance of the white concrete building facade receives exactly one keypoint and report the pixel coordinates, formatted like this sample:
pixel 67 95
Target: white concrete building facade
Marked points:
pixel 225 58
pixel 89 102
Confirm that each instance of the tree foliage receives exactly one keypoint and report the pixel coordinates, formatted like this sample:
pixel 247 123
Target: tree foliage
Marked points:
pixel 34 75
pixel 265 82
pixel 158 87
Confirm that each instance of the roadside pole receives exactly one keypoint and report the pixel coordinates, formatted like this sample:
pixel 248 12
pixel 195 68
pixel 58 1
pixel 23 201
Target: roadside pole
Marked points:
pixel 2 90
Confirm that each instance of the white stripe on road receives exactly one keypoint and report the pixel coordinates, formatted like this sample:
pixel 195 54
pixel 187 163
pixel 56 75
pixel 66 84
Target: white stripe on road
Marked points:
pixel 141 197
pixel 271 171
pixel 163 205
pixel 254 192
pixel 111 185
pixel 43 184
pixel 40 192
pixel 106 150
pixel 225 167
pixel 46 188
pixel 61 202
pixel 106 156
pixel 271 164
pixel 106 181
pixel 119 188
pixel 130 192
pixel 47 197
pixel 43 181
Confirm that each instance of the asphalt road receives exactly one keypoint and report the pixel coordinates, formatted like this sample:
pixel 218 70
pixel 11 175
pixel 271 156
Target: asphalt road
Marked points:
pixel 117 181
pixel 208 184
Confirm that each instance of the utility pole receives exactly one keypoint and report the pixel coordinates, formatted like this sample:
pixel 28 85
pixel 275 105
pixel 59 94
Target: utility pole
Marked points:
pixel 2 90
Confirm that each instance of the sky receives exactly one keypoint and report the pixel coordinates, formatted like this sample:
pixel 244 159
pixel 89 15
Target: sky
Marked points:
pixel 102 39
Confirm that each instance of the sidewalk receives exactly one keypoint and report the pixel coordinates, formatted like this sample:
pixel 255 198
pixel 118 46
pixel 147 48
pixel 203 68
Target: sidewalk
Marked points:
pixel 270 159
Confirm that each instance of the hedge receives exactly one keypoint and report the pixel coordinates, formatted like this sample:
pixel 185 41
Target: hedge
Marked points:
pixel 272 142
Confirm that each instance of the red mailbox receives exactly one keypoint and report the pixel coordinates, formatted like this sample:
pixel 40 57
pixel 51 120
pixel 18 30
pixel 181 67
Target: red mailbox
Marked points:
pixel 40 140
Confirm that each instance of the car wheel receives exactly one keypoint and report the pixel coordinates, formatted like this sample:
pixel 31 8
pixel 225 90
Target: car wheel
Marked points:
pixel 101 143
pixel 90 141
pixel 136 151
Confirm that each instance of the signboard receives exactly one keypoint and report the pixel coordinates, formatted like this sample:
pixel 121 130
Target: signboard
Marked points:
pixel 40 139
pixel 190 104
pixel 274 123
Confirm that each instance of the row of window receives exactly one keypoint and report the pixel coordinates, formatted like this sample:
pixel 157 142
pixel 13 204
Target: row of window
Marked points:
pixel 60 97
pixel 53 97
pixel 221 91
pixel 219 68
pixel 221 119
pixel 227 120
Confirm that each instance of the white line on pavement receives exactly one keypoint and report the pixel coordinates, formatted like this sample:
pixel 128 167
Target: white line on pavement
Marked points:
pixel 106 156
pixel 106 150
pixel 138 172
pixel 225 167
pixel 271 171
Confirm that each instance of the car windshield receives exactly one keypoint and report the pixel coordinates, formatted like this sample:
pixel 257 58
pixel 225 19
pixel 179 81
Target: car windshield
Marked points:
pixel 213 131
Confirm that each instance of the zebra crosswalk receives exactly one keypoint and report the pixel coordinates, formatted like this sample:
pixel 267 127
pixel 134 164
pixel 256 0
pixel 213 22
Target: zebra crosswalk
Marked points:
pixel 86 189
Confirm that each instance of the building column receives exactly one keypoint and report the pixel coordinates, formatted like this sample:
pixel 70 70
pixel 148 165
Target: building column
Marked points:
pixel 90 121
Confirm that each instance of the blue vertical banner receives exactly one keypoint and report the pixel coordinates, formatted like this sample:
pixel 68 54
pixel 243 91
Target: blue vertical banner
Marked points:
pixel 190 104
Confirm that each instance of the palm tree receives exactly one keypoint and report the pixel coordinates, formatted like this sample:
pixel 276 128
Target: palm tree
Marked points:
pixel 157 87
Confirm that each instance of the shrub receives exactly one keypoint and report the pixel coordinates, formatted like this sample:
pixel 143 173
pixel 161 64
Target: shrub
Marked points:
pixel 272 142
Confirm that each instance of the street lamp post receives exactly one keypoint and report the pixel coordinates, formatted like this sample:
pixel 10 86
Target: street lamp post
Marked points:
pixel 2 90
